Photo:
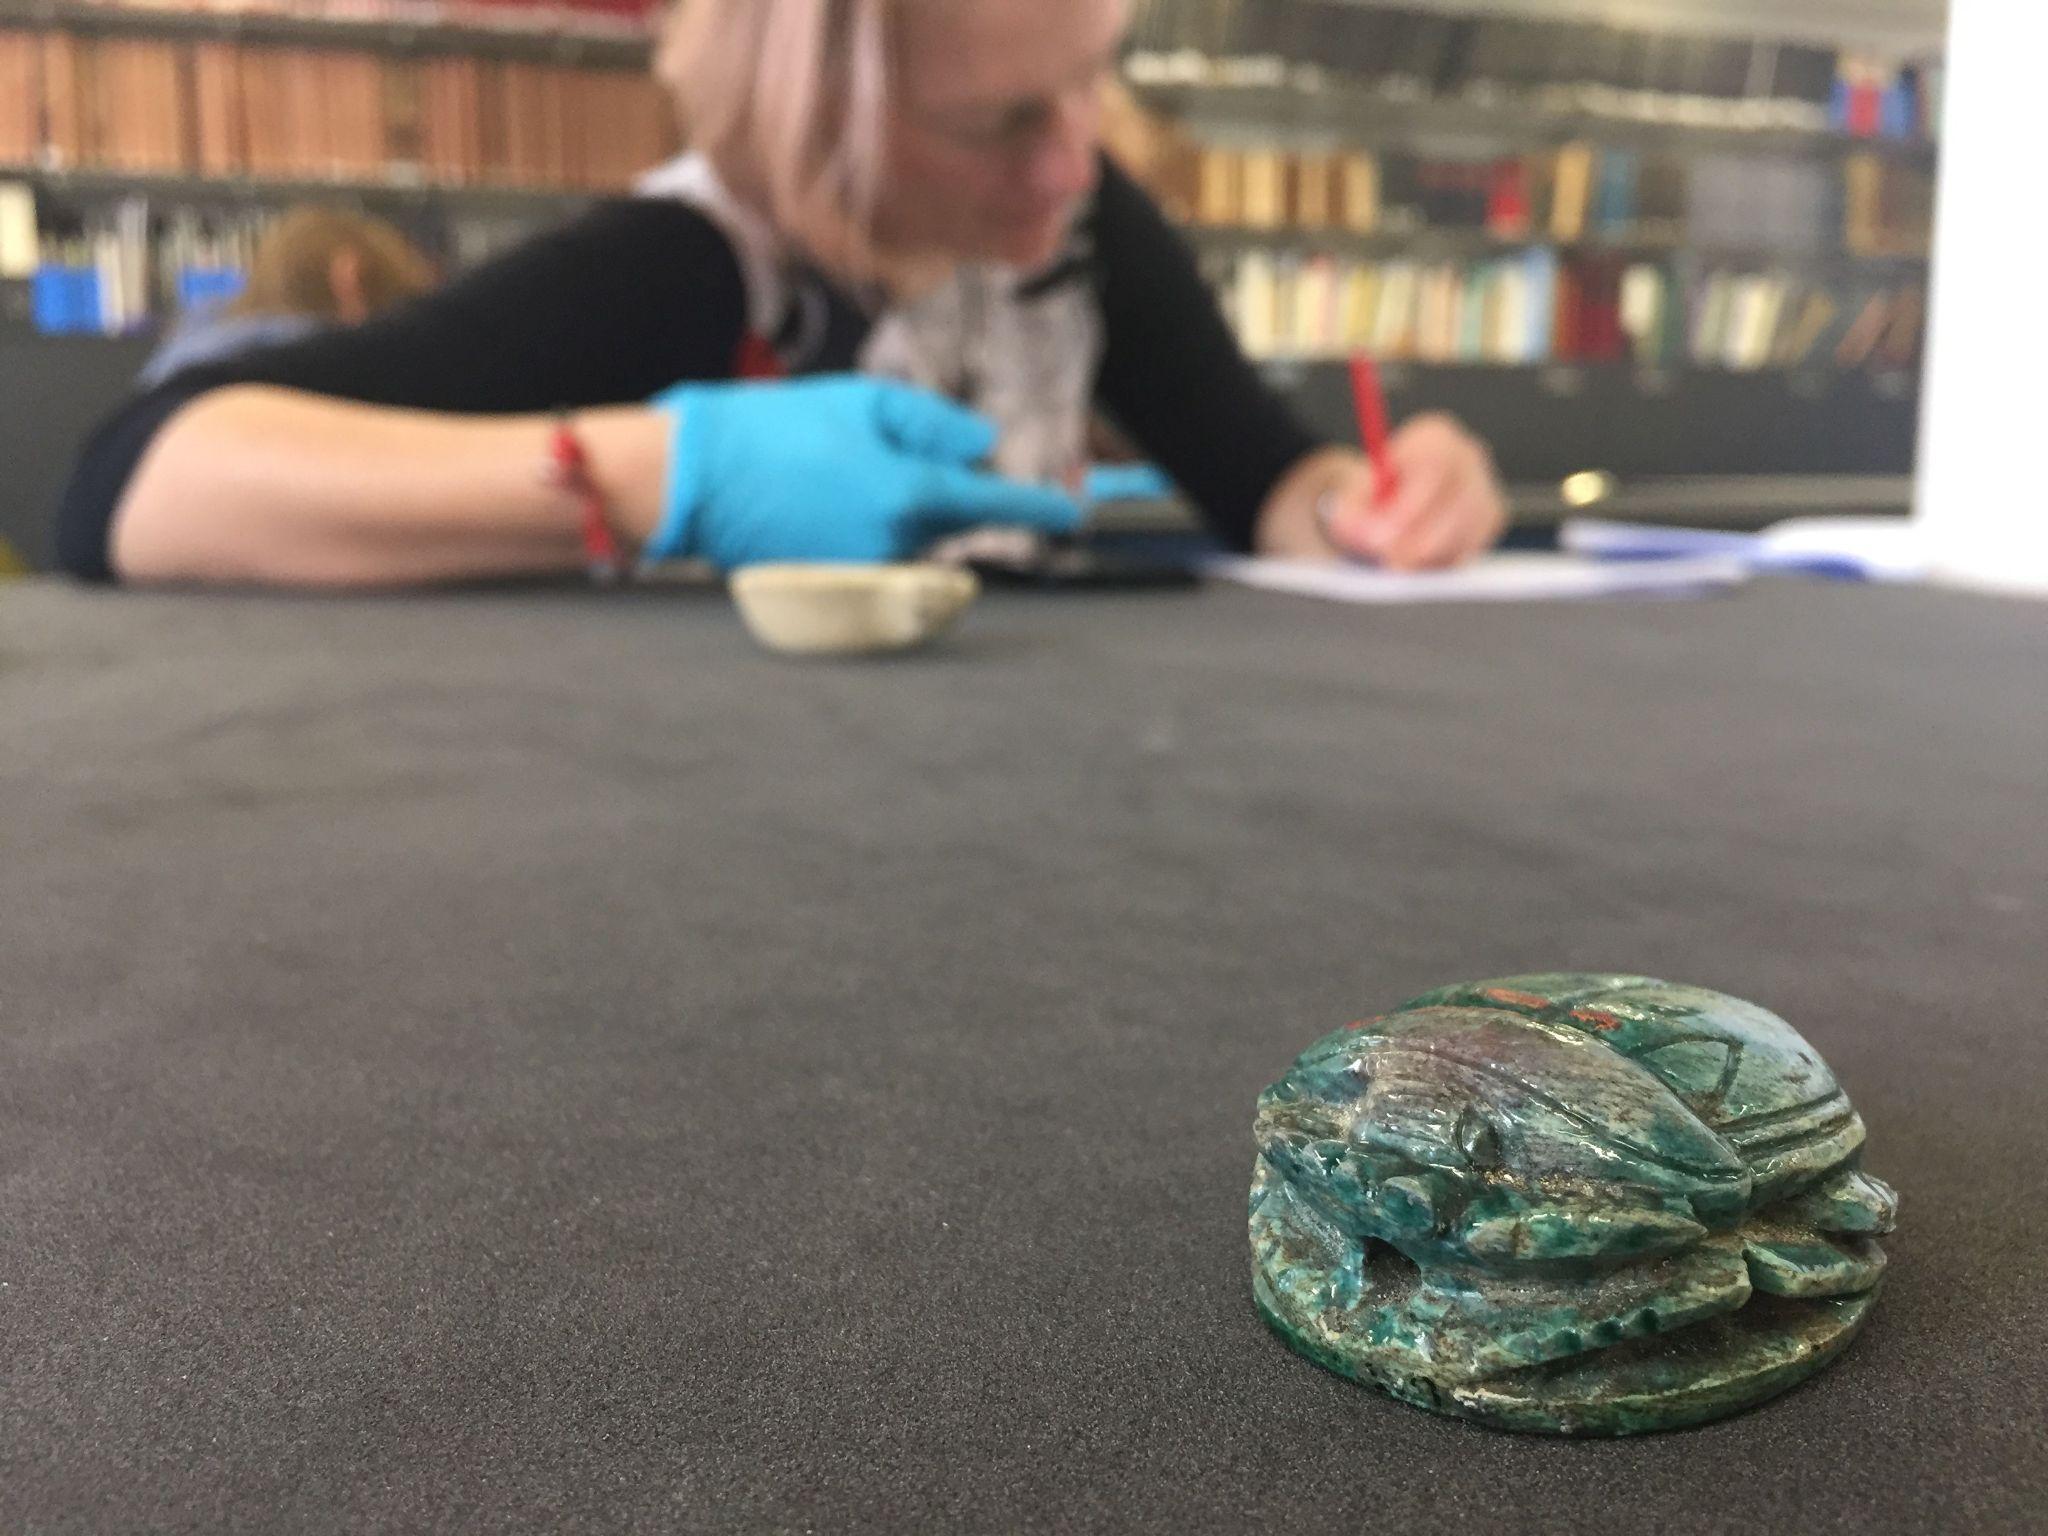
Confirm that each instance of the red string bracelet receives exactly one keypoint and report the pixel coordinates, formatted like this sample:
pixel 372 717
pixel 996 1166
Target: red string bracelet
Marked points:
pixel 569 473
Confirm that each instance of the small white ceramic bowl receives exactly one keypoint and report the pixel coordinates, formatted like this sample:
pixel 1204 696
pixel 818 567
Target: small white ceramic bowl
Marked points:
pixel 814 610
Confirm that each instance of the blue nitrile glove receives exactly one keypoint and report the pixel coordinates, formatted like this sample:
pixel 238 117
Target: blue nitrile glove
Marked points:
pixel 839 468
pixel 1126 482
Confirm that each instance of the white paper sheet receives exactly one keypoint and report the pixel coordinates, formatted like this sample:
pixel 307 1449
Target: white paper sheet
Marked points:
pixel 1507 578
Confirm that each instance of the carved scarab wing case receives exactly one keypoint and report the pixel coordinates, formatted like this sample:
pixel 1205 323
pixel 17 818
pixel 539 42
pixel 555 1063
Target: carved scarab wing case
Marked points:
pixel 1571 1203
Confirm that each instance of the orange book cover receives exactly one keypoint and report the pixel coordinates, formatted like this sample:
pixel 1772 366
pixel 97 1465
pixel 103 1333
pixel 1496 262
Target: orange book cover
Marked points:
pixel 170 94
pixel 638 145
pixel 615 155
pixel 582 125
pixel 133 103
pixel 376 120
pixel 151 102
pixel 437 149
pixel 402 107
pixel 337 113
pixel 143 104
pixel 597 126
pixel 601 128
pixel 354 100
pixel 554 125
pixel 217 109
pixel 263 88
pixel 107 96
pixel 450 120
pixel 66 71
pixel 264 85
pixel 21 98
pixel 472 120
pixel 186 74
pixel 577 110
pixel 494 136
pixel 459 110
pixel 309 143
pixel 121 97
pixel 525 155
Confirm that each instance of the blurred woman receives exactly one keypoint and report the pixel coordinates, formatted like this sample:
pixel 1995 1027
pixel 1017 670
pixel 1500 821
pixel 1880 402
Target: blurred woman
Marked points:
pixel 873 307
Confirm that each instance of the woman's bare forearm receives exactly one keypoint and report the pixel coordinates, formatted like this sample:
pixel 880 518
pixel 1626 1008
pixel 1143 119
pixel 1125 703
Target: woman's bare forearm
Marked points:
pixel 256 484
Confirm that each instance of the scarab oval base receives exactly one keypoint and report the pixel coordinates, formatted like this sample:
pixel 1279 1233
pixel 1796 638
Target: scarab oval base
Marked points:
pixel 1591 1205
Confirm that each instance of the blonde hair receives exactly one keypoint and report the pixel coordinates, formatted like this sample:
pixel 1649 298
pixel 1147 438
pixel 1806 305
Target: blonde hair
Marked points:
pixel 291 271
pixel 788 100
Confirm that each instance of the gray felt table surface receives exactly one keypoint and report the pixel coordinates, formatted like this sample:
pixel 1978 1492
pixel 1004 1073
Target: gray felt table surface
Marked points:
pixel 529 1061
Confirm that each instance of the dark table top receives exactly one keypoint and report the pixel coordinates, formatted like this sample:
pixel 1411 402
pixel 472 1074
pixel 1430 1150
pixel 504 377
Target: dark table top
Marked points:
pixel 530 1061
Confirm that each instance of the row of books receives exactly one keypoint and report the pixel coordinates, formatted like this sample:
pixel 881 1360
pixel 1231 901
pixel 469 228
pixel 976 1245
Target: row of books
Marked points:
pixel 103 285
pixel 1442 54
pixel 1543 307
pixel 127 271
pixel 225 109
pixel 1864 204
pixel 1876 99
pixel 133 267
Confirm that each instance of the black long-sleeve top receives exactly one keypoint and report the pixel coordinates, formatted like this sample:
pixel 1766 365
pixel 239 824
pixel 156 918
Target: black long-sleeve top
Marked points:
pixel 639 294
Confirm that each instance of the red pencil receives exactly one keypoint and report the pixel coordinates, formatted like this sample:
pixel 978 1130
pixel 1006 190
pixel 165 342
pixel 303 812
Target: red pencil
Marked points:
pixel 1371 406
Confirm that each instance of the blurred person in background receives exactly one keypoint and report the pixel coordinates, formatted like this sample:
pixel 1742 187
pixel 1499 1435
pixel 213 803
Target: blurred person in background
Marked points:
pixel 875 305
pixel 316 266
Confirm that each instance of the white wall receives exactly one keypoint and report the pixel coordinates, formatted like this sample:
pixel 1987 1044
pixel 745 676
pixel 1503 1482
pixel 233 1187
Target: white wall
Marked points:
pixel 1983 489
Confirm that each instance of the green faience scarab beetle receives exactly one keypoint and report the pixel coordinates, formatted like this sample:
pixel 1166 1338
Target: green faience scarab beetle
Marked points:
pixel 1578 1204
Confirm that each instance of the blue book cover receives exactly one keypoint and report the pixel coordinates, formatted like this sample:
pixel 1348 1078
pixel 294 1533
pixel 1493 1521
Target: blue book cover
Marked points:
pixel 1895 119
pixel 49 300
pixel 205 287
pixel 64 300
pixel 1614 206
pixel 1539 270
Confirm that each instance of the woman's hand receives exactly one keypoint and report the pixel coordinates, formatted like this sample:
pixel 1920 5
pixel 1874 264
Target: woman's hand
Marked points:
pixel 839 468
pixel 1447 505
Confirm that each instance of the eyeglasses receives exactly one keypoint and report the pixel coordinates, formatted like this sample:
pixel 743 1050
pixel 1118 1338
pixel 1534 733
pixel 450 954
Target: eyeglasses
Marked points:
pixel 1014 131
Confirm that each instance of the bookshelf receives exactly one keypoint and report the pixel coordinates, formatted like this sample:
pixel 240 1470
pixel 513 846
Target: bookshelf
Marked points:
pixel 1606 241
pixel 139 143
pixel 1318 106
pixel 246 101
pixel 1478 244
pixel 528 33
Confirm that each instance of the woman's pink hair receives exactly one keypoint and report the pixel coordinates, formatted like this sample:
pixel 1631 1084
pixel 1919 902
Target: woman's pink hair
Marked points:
pixel 789 101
